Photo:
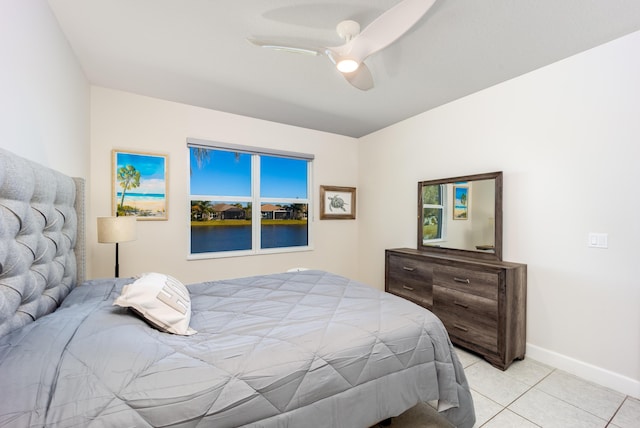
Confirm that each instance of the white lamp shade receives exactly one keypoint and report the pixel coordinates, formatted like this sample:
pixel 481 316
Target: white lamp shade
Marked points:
pixel 116 229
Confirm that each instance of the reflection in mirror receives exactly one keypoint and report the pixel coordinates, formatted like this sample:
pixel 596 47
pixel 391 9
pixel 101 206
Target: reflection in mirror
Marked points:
pixel 462 215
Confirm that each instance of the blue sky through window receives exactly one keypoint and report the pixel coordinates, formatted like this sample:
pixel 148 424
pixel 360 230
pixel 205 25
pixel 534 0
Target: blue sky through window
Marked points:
pixel 283 177
pixel 228 173
pixel 221 173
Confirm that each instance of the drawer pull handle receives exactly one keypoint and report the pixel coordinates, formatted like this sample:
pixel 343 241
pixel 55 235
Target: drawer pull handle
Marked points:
pixel 410 269
pixel 459 327
pixel 462 280
pixel 461 305
pixel 406 287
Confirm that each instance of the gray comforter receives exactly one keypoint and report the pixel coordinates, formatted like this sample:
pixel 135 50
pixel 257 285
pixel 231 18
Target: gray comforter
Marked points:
pixel 306 349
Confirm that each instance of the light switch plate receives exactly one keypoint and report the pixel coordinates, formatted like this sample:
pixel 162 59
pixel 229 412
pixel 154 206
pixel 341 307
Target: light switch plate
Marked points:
pixel 598 240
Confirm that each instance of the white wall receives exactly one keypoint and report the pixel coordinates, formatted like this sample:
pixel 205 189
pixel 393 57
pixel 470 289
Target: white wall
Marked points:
pixel 568 140
pixel 44 101
pixel 123 120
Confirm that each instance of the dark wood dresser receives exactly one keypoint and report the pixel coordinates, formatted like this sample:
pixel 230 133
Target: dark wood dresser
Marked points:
pixel 482 303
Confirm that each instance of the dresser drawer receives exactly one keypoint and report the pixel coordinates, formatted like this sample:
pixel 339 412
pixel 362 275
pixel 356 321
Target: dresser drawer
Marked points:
pixel 410 278
pixel 476 282
pixel 471 318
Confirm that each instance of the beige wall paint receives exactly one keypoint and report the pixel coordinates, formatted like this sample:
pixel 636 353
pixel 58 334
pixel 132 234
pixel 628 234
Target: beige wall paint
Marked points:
pixel 122 120
pixel 567 138
pixel 44 101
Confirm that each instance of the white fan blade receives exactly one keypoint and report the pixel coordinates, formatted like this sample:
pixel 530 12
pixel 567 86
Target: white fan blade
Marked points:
pixel 361 78
pixel 282 47
pixel 384 30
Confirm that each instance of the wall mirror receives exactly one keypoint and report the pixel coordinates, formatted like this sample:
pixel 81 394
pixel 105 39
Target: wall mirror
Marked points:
pixel 461 216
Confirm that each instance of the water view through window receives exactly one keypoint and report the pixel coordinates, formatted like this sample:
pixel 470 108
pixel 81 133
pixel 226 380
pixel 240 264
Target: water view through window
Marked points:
pixel 222 201
pixel 234 238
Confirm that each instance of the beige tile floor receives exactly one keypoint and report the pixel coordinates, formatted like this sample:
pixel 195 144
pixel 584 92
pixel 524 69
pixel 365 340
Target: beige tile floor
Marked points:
pixel 530 394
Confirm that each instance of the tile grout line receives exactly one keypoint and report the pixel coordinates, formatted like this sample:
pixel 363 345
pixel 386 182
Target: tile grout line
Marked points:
pixel 530 387
pixel 608 422
pixel 580 408
pixel 617 410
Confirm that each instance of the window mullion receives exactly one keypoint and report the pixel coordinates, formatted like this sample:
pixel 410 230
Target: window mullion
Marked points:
pixel 255 202
pixel 287 200
pixel 219 198
pixel 310 209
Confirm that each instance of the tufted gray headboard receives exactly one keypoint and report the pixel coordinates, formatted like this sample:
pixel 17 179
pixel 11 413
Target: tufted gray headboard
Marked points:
pixel 42 252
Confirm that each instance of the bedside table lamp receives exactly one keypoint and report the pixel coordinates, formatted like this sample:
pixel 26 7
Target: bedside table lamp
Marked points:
pixel 115 230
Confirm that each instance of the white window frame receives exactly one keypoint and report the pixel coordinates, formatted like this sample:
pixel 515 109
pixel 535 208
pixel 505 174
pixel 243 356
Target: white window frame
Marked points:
pixel 254 199
pixel 442 207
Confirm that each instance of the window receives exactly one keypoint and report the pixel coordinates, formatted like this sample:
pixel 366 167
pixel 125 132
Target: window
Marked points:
pixel 433 203
pixel 227 182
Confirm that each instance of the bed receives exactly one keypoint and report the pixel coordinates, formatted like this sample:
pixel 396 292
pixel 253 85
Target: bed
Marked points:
pixel 305 348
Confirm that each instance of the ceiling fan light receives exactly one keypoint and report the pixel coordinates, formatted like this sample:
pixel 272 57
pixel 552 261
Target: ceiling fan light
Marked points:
pixel 347 65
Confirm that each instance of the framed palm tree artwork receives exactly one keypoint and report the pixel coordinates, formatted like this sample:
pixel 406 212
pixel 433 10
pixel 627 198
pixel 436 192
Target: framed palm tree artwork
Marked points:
pixel 460 202
pixel 139 185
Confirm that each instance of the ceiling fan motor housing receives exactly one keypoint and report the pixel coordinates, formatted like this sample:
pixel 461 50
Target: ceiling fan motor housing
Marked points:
pixel 348 29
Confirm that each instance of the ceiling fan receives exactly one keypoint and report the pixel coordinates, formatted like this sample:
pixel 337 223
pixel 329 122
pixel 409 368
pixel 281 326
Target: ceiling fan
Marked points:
pixel 349 57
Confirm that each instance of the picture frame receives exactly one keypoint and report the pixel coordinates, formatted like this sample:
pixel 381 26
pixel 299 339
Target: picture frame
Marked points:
pixel 460 202
pixel 337 203
pixel 139 183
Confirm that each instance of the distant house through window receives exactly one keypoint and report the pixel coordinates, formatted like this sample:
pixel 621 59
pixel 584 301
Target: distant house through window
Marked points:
pixel 274 212
pixel 228 181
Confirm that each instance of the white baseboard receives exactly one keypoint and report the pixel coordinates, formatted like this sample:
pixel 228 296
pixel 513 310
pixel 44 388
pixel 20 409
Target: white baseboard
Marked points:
pixel 586 371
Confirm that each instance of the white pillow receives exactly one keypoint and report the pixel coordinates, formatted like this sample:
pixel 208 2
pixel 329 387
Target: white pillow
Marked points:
pixel 161 300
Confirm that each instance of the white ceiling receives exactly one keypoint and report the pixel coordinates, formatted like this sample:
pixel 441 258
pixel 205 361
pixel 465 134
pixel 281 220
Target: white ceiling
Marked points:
pixel 195 52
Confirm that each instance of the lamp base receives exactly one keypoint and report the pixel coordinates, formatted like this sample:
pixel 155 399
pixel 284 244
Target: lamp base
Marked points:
pixel 117 265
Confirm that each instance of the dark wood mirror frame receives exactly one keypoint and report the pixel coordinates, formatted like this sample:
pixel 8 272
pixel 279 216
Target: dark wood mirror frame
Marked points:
pixel 494 253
